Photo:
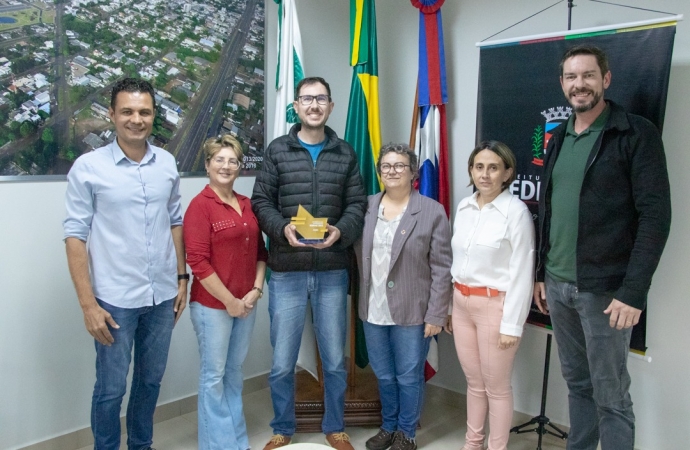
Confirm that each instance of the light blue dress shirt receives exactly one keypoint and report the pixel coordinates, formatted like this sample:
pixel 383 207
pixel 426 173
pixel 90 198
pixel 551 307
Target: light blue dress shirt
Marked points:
pixel 124 211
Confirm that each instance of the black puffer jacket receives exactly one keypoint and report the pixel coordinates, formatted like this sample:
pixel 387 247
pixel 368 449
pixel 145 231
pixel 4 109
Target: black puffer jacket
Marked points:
pixel 332 189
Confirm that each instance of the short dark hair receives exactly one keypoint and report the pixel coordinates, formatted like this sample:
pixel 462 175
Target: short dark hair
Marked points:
pixel 602 60
pixel 400 149
pixel 308 82
pixel 503 151
pixel 132 85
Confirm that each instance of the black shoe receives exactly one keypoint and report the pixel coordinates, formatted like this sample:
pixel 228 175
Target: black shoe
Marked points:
pixel 402 442
pixel 381 441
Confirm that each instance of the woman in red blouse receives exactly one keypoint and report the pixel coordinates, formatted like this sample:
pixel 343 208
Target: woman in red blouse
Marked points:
pixel 226 252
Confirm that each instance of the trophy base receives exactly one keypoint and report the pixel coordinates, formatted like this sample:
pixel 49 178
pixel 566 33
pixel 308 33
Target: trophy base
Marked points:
pixel 310 241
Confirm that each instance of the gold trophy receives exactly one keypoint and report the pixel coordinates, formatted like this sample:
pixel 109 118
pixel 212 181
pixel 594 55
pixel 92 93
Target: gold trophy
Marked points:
pixel 312 229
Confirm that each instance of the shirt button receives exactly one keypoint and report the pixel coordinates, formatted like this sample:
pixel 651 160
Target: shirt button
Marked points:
pixel 245 224
pixel 247 239
pixel 391 284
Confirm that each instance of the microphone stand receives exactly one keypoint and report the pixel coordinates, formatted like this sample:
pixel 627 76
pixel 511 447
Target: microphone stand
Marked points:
pixel 541 421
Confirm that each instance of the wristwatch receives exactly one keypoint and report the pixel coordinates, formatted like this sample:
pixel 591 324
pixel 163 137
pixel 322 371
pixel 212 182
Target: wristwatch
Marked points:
pixel 182 276
pixel 261 292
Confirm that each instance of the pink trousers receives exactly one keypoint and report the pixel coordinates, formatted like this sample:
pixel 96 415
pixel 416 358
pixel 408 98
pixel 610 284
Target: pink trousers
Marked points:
pixel 476 325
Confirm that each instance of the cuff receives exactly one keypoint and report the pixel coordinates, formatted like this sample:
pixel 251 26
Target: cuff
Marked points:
pixel 510 329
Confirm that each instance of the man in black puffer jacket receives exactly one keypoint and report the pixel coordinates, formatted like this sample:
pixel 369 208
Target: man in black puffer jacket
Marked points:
pixel 311 167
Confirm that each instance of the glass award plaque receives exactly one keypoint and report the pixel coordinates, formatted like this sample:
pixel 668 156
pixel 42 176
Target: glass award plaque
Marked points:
pixel 312 229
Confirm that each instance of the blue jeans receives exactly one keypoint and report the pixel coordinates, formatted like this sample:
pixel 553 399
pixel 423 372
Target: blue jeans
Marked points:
pixel 287 303
pixel 223 345
pixel 148 330
pixel 397 354
pixel 594 360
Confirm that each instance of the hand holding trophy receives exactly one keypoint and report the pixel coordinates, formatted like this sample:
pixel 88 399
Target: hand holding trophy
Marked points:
pixel 312 229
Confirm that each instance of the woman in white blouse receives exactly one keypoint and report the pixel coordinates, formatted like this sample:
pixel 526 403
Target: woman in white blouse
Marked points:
pixel 493 264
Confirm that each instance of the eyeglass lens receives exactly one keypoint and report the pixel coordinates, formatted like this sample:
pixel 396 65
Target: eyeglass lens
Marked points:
pixel 399 167
pixel 233 163
pixel 309 99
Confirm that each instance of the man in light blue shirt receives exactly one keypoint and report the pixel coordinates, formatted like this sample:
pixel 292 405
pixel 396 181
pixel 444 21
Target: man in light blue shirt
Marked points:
pixel 125 251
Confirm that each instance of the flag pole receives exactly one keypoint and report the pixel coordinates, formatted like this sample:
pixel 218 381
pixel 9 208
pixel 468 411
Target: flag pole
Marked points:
pixel 354 294
pixel 415 117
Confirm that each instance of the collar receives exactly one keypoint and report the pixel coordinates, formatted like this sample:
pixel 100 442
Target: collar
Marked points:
pixel 317 145
pixel 618 118
pixel 414 205
pixel 210 193
pixel 501 203
pixel 398 217
pixel 331 139
pixel 596 126
pixel 119 155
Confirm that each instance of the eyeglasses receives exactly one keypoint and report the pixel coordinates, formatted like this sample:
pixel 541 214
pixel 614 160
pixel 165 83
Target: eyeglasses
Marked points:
pixel 399 167
pixel 321 99
pixel 232 163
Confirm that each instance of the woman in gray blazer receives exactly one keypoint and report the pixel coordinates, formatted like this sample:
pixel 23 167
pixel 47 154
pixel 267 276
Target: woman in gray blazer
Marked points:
pixel 404 260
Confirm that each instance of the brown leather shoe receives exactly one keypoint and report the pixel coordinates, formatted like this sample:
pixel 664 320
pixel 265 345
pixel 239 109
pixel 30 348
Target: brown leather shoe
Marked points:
pixel 277 441
pixel 340 441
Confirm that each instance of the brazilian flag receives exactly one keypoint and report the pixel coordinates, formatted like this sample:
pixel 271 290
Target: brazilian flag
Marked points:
pixel 363 128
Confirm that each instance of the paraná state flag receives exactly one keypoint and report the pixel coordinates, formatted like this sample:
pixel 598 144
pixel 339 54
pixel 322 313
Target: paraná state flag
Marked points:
pixel 289 70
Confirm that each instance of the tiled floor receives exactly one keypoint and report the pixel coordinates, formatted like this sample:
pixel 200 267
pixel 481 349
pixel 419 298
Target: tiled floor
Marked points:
pixel 442 427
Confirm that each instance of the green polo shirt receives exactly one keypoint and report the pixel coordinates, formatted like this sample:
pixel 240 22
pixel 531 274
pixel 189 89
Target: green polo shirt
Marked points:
pixel 566 184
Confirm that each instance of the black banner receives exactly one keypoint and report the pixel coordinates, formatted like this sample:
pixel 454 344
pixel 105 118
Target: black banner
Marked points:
pixel 520 100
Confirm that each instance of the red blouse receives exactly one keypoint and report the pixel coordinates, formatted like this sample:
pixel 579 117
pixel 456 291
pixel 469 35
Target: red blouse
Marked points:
pixel 220 240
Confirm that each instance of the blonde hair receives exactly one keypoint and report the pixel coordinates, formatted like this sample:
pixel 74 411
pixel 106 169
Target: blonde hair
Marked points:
pixel 214 144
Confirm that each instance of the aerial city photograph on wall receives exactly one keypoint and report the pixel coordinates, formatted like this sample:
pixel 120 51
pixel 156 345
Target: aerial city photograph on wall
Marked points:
pixel 59 61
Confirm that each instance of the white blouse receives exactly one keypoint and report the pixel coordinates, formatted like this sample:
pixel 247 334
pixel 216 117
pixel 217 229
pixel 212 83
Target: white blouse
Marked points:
pixel 379 313
pixel 494 247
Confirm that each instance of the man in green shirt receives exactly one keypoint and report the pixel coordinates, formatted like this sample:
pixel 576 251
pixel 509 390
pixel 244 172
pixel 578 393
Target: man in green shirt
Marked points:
pixel 604 218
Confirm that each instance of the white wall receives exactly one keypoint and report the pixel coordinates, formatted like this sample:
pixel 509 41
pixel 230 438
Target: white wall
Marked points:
pixel 46 357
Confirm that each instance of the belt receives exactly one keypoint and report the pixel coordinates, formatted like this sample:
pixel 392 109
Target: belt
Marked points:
pixel 482 291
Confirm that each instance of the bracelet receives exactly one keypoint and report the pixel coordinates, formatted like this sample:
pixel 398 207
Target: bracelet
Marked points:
pixel 261 292
pixel 182 276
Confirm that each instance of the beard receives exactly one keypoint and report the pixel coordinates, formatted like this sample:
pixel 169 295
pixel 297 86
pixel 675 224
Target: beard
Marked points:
pixel 581 108
pixel 308 126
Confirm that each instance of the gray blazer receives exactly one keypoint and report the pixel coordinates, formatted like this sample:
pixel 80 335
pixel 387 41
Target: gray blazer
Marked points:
pixel 419 281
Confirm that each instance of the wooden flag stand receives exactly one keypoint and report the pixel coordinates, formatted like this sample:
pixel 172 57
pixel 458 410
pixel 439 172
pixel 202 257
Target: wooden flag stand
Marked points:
pixel 362 404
